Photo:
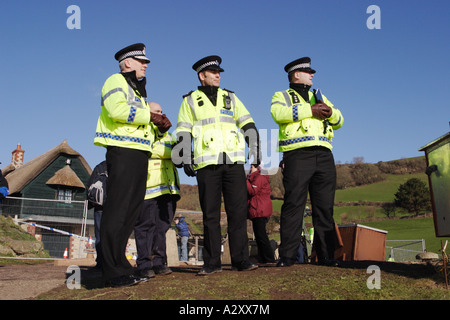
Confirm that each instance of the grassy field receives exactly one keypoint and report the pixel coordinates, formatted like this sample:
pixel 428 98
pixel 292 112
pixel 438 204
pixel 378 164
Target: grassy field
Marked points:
pixel 268 284
pixel 411 229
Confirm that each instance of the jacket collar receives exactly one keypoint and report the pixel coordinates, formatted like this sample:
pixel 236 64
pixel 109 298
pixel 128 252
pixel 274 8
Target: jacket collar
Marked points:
pixel 211 92
pixel 137 85
pixel 301 89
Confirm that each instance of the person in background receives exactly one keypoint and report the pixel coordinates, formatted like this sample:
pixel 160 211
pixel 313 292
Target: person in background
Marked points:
pixel 183 232
pixel 4 189
pixel 161 196
pixel 259 212
pixel 96 196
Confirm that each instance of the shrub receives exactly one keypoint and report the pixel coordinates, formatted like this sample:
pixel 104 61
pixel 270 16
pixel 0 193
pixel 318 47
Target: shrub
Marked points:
pixel 389 209
pixel 413 196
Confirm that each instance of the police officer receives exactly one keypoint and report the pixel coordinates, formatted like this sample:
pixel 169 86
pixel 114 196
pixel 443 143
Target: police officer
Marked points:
pixel 124 127
pixel 161 196
pixel 213 118
pixel 306 128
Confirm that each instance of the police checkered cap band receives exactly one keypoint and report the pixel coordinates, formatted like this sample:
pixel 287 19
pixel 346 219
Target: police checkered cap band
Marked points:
pixel 207 64
pixel 299 66
pixel 139 54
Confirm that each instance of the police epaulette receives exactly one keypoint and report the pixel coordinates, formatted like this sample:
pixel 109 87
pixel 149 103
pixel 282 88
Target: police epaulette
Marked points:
pixel 187 94
pixel 228 90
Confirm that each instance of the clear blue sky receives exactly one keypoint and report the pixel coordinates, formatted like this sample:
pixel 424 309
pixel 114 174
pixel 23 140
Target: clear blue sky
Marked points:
pixel 390 83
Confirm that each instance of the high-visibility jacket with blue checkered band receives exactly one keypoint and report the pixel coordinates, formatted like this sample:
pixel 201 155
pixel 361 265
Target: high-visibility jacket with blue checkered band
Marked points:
pixel 297 127
pixel 215 129
pixel 162 175
pixel 125 117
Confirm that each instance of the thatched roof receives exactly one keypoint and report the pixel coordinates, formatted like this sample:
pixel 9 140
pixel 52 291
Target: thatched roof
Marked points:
pixel 66 177
pixel 20 177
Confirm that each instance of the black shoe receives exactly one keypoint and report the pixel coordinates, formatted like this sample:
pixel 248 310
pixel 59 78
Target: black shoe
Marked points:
pixel 162 269
pixel 145 274
pixel 284 263
pixel 123 281
pixel 329 263
pixel 245 266
pixel 206 270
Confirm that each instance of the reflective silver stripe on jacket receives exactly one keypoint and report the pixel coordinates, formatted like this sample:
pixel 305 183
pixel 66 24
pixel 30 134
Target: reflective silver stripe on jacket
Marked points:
pixel 243 118
pixel 184 125
pixel 132 100
pixel 110 92
pixel 287 98
pixel 161 188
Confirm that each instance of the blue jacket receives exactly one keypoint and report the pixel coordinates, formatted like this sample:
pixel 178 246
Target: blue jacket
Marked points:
pixel 3 193
pixel 183 230
pixel 4 188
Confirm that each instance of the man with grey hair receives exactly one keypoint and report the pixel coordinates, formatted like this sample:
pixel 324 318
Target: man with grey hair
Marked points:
pixel 126 130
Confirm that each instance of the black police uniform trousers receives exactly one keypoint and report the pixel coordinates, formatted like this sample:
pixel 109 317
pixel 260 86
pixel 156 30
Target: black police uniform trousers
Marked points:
pixel 125 187
pixel 150 230
pixel 312 170
pixel 229 179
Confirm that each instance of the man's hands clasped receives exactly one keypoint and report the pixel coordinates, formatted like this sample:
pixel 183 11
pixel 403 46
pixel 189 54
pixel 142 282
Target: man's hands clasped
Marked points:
pixel 161 121
pixel 321 111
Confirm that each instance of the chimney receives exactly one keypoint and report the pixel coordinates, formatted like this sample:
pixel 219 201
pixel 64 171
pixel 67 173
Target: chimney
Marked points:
pixel 17 157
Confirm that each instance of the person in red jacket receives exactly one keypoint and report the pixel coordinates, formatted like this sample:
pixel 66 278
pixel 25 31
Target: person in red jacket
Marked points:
pixel 259 212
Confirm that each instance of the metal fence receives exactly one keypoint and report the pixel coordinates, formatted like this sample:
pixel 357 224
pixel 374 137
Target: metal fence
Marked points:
pixel 60 224
pixel 404 250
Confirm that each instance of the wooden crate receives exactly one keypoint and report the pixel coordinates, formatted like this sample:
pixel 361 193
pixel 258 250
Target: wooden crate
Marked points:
pixel 360 242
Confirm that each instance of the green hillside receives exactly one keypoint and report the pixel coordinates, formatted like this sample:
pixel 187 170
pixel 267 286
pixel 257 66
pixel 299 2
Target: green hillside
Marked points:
pixel 357 210
pixel 381 191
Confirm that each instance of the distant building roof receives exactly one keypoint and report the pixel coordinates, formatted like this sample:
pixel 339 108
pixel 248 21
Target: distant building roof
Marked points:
pixel 19 177
pixel 66 177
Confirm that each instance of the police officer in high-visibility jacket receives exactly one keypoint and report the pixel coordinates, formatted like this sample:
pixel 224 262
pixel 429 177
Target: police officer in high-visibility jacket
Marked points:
pixel 124 127
pixel 218 124
pixel 161 196
pixel 306 129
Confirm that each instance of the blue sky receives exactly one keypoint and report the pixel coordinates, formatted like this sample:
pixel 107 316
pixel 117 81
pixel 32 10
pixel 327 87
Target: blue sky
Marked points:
pixel 390 83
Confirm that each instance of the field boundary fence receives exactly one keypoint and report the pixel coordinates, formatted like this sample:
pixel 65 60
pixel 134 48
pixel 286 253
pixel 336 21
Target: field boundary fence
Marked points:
pixel 404 250
pixel 61 225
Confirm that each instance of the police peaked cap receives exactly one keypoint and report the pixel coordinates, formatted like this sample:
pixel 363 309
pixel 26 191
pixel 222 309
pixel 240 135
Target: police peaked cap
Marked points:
pixel 136 51
pixel 302 64
pixel 208 63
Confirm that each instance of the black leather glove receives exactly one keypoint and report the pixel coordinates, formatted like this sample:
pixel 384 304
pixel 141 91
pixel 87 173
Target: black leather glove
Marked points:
pixel 255 154
pixel 189 170
pixel 161 121
pixel 321 111
pixel 326 111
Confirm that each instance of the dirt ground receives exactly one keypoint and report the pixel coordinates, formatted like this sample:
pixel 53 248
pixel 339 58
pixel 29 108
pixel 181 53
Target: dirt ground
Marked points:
pixel 21 281
pixel 27 282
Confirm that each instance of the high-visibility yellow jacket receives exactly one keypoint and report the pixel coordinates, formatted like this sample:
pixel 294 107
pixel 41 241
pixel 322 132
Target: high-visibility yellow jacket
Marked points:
pixel 215 129
pixel 125 117
pixel 162 175
pixel 297 127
